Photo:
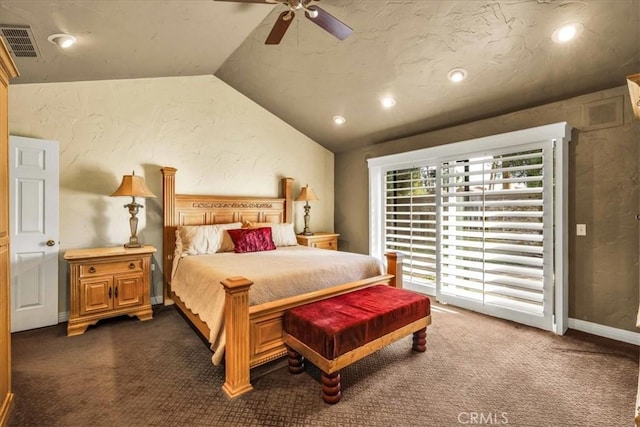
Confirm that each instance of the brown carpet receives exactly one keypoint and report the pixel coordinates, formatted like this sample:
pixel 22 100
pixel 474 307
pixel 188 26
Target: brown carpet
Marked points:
pixel 158 373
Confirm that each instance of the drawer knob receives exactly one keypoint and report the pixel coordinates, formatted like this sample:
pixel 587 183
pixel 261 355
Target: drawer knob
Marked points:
pixel 92 269
pixel 132 266
pixel 315 245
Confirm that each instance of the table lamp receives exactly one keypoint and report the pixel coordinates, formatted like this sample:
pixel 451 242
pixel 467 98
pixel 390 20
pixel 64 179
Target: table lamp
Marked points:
pixel 133 186
pixel 306 195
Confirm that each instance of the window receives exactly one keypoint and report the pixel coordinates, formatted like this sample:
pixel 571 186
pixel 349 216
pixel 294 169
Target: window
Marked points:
pixel 481 223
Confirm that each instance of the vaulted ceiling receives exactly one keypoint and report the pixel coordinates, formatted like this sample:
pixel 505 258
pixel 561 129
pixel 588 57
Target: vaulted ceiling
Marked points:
pixel 402 49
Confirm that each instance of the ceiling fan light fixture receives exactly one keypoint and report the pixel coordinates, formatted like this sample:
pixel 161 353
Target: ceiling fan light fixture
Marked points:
pixel 567 32
pixel 339 120
pixel 63 40
pixel 457 75
pixel 289 16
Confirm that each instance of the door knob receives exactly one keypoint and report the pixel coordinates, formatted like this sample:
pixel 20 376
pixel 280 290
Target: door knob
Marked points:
pixel 50 243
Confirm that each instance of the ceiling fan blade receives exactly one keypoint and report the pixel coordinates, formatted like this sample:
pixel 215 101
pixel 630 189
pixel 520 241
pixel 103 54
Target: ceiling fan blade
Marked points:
pixel 280 27
pixel 329 22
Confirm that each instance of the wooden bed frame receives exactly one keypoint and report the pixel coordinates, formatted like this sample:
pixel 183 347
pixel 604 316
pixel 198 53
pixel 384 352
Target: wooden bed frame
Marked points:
pixel 253 334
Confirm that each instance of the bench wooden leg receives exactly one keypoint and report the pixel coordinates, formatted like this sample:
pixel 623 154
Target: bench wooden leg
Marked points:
pixel 331 388
pixel 420 340
pixel 296 361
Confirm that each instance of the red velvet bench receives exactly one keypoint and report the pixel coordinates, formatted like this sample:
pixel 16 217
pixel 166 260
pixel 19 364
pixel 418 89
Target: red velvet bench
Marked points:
pixel 335 332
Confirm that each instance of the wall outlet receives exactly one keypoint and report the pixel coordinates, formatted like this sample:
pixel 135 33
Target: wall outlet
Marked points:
pixel 581 229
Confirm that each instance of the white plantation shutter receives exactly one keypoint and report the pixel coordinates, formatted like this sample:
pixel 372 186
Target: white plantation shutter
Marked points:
pixel 481 229
pixel 410 222
pixel 492 229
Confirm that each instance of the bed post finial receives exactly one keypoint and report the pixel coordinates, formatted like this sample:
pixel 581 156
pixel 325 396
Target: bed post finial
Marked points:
pixel 169 227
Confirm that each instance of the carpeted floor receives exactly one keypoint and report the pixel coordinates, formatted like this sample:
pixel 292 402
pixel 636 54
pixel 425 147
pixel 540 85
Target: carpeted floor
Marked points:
pixel 477 371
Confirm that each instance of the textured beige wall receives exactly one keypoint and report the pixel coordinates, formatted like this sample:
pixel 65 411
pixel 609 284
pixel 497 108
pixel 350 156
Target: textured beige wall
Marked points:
pixel 603 194
pixel 220 141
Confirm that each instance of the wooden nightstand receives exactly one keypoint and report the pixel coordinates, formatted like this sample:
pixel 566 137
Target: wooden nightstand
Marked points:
pixel 108 282
pixel 319 240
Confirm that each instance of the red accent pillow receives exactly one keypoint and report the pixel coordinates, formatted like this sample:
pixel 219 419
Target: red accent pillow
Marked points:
pixel 252 239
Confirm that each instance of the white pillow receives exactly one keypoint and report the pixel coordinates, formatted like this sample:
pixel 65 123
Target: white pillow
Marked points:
pixel 281 234
pixel 226 245
pixel 205 239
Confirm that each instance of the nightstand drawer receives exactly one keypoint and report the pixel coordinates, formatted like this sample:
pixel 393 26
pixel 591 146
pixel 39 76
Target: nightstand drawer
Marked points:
pixel 94 269
pixel 325 244
pixel 319 240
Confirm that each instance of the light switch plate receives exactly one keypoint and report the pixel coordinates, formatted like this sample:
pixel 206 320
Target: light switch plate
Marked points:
pixel 581 229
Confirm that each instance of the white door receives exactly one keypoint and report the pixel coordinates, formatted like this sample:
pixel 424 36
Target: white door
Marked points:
pixel 33 189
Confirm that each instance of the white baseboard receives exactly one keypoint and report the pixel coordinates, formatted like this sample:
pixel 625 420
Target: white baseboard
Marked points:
pixel 605 331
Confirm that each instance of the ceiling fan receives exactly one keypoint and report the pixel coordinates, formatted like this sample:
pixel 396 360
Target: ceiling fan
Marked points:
pixel 315 14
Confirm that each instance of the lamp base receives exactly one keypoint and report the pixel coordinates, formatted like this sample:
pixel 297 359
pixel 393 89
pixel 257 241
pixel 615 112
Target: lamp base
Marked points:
pixel 133 224
pixel 307 233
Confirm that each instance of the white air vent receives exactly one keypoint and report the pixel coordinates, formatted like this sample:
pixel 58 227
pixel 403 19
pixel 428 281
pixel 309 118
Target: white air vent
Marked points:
pixel 20 41
pixel 601 114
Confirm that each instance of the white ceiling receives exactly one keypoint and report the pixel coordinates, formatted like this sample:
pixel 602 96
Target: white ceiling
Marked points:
pixel 398 48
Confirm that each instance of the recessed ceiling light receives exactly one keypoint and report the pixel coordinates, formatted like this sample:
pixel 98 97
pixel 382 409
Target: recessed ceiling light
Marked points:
pixel 566 32
pixel 457 75
pixel 62 40
pixel 339 120
pixel 388 102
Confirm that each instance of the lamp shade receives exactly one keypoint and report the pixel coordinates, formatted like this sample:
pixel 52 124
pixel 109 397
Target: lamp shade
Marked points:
pixel 133 186
pixel 306 194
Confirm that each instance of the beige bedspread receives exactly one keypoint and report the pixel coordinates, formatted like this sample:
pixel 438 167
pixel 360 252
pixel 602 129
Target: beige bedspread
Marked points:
pixel 284 272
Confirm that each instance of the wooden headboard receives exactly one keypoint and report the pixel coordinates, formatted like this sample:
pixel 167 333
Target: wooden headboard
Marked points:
pixel 187 209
